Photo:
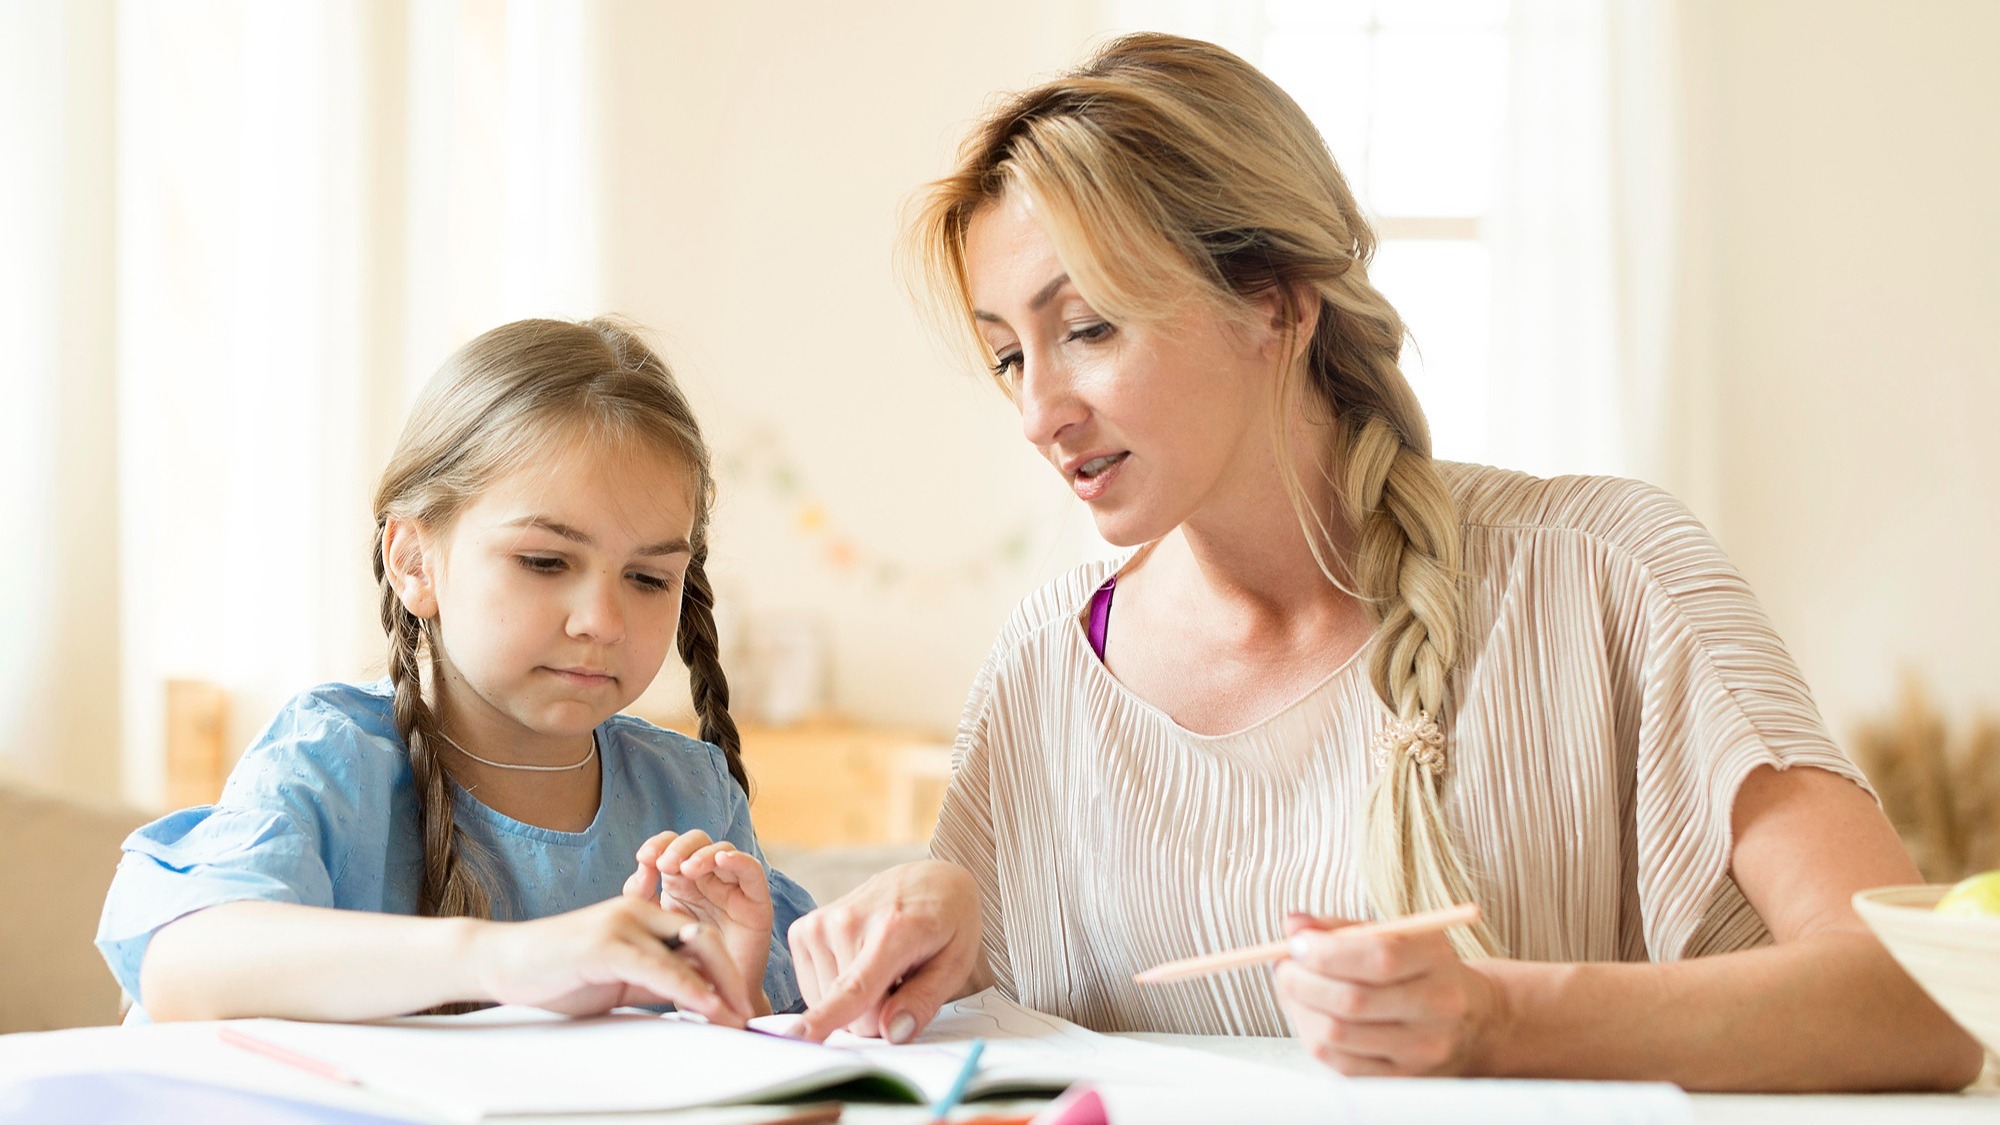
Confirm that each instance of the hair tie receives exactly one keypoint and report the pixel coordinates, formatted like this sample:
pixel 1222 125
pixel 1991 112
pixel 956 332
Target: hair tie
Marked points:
pixel 1421 738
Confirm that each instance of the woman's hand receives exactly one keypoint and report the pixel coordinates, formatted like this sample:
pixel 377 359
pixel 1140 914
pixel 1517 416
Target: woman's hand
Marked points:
pixel 722 887
pixel 609 955
pixel 1386 1004
pixel 882 960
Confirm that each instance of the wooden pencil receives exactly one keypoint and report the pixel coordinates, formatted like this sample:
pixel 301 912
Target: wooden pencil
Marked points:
pixel 1463 914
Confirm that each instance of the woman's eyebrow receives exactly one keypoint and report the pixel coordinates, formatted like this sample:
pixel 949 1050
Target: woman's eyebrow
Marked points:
pixel 557 527
pixel 1042 297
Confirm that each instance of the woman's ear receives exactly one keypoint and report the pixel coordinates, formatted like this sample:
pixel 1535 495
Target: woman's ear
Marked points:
pixel 1292 312
pixel 406 558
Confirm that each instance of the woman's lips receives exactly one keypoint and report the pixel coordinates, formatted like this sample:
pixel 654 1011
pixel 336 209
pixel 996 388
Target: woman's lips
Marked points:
pixel 1094 476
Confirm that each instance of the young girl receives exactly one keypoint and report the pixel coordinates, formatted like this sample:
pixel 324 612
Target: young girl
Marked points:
pixel 462 832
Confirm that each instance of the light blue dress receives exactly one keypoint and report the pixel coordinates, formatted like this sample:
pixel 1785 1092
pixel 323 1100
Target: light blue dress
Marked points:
pixel 322 811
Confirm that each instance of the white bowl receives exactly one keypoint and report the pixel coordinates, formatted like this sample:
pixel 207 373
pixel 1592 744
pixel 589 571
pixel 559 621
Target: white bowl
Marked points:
pixel 1954 957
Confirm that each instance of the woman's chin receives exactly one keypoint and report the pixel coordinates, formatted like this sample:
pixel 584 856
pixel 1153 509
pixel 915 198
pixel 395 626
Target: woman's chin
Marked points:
pixel 1128 529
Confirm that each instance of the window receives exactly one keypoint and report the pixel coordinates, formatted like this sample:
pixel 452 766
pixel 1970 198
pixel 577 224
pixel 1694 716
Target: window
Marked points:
pixel 1411 96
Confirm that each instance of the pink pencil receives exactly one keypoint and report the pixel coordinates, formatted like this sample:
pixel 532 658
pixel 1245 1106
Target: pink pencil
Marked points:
pixel 1463 914
pixel 287 1056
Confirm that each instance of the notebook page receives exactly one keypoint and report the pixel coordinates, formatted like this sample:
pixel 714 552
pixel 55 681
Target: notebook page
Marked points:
pixel 507 1061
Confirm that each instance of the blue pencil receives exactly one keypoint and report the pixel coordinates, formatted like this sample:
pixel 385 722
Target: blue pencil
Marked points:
pixel 957 1092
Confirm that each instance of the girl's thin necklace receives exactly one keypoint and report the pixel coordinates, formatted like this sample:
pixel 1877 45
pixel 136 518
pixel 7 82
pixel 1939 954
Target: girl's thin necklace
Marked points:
pixel 576 765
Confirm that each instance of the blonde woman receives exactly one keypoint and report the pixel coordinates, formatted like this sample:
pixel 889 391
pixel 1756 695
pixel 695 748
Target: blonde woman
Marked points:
pixel 1335 678
pixel 482 825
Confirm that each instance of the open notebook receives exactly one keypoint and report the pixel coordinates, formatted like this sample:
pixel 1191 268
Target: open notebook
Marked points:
pixel 514 1061
pixel 506 1062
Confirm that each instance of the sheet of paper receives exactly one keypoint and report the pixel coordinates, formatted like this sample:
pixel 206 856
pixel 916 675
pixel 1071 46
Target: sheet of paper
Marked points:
pixel 508 1061
pixel 1030 1051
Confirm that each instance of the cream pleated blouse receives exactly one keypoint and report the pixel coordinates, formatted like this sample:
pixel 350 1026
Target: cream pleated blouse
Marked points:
pixel 1619 682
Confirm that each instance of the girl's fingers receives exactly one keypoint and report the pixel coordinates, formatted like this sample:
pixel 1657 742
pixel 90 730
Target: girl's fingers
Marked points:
pixel 742 869
pixel 649 965
pixel 678 851
pixel 704 947
pixel 701 957
pixel 649 852
pixel 702 863
pixel 644 882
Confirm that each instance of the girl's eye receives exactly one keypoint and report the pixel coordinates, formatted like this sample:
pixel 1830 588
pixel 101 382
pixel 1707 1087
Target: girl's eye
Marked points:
pixel 541 564
pixel 1091 333
pixel 652 583
pixel 1004 366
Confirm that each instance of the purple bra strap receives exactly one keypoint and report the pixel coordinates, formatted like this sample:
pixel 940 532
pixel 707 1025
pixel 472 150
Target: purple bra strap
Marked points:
pixel 1100 616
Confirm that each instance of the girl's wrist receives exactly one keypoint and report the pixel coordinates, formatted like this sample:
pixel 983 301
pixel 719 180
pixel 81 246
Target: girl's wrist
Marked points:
pixel 468 948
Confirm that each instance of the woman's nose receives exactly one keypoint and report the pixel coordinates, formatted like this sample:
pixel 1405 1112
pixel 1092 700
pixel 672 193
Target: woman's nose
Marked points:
pixel 1047 398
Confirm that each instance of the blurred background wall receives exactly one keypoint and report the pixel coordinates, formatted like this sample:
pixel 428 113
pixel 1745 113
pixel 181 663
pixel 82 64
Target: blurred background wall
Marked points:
pixel 1754 239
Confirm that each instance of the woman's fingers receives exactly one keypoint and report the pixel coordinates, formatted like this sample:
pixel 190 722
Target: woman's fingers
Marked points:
pixel 1370 958
pixel 914 1003
pixel 1428 998
pixel 852 998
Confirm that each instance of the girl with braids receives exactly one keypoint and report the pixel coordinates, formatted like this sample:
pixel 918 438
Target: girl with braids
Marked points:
pixel 1336 679
pixel 482 826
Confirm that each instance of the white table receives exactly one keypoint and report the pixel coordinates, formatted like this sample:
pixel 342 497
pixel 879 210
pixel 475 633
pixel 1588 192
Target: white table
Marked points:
pixel 53 1051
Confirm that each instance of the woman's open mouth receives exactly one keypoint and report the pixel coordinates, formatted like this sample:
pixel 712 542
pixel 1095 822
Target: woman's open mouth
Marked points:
pixel 1095 475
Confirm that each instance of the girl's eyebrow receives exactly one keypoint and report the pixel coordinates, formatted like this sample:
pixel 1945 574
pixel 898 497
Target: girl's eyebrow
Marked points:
pixel 557 527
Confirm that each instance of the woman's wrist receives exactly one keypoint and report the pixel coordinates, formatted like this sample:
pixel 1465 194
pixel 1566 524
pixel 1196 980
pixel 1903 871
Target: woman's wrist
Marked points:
pixel 1495 1016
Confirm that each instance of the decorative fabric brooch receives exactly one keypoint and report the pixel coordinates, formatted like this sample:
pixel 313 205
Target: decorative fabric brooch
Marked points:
pixel 1421 738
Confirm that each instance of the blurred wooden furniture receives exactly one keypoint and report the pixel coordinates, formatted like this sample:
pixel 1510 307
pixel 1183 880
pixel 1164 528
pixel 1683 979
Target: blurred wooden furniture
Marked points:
pixel 819 783
pixel 197 761
pixel 56 860
pixel 832 782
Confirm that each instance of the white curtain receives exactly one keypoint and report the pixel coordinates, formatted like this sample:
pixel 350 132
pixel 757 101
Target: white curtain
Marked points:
pixel 1583 232
pixel 312 203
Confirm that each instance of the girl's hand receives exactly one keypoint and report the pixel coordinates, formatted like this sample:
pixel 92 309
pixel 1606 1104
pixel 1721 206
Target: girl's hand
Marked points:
pixel 1386 1004
pixel 722 887
pixel 882 960
pixel 605 956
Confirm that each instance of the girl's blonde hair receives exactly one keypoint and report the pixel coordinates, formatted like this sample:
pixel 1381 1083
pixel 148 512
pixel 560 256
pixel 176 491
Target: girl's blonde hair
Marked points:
pixel 522 391
pixel 1167 169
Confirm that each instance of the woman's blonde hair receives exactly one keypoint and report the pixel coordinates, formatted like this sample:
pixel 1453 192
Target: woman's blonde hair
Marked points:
pixel 1167 169
pixel 520 392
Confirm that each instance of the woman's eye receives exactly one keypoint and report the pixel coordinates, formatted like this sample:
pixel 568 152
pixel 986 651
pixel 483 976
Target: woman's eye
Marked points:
pixel 652 583
pixel 1006 365
pixel 541 564
pixel 1091 333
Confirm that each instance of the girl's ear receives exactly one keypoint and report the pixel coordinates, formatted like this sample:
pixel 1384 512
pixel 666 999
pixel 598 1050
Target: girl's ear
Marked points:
pixel 406 559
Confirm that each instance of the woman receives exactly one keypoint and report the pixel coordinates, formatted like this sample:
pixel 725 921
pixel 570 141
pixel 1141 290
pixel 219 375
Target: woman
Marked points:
pixel 1337 678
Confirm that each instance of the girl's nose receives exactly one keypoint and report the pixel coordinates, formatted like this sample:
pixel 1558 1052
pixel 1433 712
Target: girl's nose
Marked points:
pixel 597 613
pixel 1047 398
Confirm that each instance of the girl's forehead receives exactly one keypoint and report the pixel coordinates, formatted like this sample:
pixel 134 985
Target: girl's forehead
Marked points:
pixel 615 491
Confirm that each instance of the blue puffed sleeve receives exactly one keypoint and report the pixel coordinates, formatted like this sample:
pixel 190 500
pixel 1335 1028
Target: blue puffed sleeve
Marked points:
pixel 309 794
